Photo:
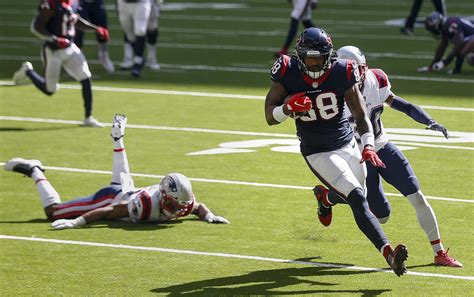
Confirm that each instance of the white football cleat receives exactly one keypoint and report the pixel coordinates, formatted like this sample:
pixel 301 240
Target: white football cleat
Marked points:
pixel 126 64
pixel 20 77
pixel 106 62
pixel 118 126
pixel 23 166
pixel 91 122
pixel 152 64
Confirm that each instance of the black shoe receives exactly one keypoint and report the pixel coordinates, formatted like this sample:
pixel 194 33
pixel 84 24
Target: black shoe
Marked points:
pixel 137 70
pixel 23 166
pixel 406 31
pixel 399 256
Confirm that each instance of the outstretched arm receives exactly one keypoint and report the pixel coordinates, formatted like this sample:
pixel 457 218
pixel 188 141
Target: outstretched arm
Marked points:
pixel 83 24
pixel 275 112
pixel 110 212
pixel 416 113
pixel 203 213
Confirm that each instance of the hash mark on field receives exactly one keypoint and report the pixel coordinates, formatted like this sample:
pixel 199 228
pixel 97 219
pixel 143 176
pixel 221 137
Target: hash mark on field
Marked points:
pixel 225 255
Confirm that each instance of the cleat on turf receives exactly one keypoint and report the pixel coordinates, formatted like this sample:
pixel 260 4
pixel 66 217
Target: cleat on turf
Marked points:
pixel 443 259
pixel 118 126
pixel 23 166
pixel 106 62
pixel 20 77
pixel 398 258
pixel 324 211
pixel 91 122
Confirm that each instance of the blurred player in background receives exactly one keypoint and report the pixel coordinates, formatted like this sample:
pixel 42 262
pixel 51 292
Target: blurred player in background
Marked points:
pixel 376 89
pixel 172 198
pixel 134 16
pixel 458 31
pixel 152 34
pixel 94 12
pixel 56 24
pixel 439 5
pixel 313 87
pixel 302 10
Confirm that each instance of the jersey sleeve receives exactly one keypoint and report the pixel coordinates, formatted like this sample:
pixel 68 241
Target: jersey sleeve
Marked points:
pixel 139 207
pixel 279 69
pixel 383 83
pixel 352 74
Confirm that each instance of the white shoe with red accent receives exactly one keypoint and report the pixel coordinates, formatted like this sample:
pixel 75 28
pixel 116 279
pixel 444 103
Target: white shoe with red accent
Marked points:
pixel 443 259
pixel 20 77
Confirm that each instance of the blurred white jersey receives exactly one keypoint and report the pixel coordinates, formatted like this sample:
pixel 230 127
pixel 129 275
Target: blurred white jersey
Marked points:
pixel 376 91
pixel 301 9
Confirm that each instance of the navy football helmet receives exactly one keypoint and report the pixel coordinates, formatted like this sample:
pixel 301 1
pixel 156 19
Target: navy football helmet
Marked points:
pixel 314 42
pixel 434 22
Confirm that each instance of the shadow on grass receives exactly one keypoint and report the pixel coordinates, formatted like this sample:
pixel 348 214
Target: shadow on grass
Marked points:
pixel 270 282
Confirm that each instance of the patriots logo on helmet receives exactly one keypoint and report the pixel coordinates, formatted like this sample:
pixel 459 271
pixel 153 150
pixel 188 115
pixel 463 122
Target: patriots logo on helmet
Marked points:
pixel 173 186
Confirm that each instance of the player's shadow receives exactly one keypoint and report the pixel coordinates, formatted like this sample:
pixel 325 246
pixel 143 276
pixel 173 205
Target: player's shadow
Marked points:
pixel 52 128
pixel 271 282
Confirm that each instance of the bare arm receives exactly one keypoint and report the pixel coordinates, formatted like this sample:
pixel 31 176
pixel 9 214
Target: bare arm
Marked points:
pixel 356 105
pixel 275 97
pixel 443 44
pixel 83 24
pixel 38 26
pixel 110 212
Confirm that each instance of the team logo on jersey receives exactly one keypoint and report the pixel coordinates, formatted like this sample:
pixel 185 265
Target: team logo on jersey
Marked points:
pixel 315 84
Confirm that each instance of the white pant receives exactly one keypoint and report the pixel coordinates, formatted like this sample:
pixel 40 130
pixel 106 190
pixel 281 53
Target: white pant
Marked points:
pixel 71 58
pixel 340 169
pixel 154 16
pixel 301 9
pixel 134 17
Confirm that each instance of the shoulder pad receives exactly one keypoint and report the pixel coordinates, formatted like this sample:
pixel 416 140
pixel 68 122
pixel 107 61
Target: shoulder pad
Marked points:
pixel 280 67
pixel 381 77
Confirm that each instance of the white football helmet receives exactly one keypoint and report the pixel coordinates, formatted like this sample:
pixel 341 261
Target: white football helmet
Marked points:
pixel 350 52
pixel 177 198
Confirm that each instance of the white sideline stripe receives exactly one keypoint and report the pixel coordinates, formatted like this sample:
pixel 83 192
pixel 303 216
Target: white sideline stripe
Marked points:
pixel 207 94
pixel 225 255
pixel 230 182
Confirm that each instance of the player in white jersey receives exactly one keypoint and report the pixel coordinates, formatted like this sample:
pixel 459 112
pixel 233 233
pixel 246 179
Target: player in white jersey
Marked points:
pixel 170 199
pixel 133 17
pixel 152 34
pixel 376 90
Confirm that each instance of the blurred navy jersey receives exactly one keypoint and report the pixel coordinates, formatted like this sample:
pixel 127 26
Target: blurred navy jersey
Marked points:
pixel 93 11
pixel 324 128
pixel 62 23
pixel 456 25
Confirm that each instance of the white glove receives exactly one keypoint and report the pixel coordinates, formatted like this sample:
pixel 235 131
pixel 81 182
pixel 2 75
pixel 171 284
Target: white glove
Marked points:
pixel 118 126
pixel 211 218
pixel 68 224
pixel 438 65
pixel 424 69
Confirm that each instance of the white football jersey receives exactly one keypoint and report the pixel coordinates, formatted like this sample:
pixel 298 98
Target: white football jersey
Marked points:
pixel 143 204
pixel 376 91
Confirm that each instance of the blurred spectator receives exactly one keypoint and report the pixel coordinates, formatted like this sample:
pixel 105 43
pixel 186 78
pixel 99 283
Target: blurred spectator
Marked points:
pixel 439 5
pixel 94 12
pixel 302 10
pixel 458 31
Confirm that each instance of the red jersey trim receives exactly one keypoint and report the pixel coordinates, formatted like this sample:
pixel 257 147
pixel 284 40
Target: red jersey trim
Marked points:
pixel 381 77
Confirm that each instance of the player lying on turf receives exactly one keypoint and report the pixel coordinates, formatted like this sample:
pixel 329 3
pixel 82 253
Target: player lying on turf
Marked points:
pixel 170 199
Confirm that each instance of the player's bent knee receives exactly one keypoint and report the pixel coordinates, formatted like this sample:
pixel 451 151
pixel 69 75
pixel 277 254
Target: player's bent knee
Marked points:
pixel 49 211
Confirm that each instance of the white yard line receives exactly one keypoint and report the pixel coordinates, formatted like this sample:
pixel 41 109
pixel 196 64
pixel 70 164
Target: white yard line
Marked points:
pixel 207 94
pixel 229 182
pixel 225 255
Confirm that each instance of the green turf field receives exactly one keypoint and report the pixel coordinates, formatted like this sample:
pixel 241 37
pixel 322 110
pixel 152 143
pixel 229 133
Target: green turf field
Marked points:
pixel 209 95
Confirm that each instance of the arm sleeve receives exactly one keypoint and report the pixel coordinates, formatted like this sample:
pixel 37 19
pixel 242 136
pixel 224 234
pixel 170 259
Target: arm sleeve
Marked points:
pixel 413 111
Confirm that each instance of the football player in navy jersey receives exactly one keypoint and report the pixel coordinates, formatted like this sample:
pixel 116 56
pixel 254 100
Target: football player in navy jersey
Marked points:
pixel 171 199
pixel 94 12
pixel 455 30
pixel 55 24
pixel 312 86
pixel 376 89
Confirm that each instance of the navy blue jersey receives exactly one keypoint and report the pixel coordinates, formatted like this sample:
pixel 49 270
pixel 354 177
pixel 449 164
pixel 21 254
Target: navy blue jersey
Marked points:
pixel 325 127
pixel 62 24
pixel 455 25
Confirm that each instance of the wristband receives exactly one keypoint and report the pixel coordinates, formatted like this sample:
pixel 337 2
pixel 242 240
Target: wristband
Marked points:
pixel 367 139
pixel 79 221
pixel 278 114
